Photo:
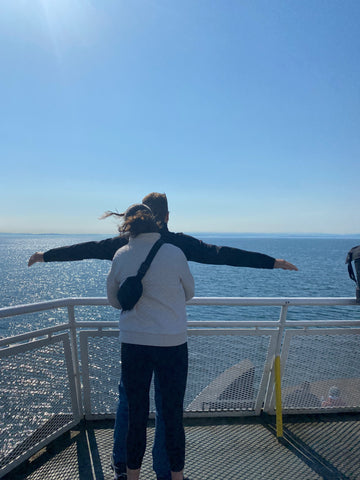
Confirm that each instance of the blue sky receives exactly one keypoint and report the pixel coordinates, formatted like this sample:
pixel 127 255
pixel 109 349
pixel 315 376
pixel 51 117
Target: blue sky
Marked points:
pixel 245 112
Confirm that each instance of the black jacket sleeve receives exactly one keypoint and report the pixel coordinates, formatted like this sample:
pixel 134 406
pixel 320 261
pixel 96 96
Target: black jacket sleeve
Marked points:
pixel 102 250
pixel 194 249
pixel 198 251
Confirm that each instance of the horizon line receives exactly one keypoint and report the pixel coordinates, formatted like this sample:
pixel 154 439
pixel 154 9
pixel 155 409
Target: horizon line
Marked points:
pixel 272 234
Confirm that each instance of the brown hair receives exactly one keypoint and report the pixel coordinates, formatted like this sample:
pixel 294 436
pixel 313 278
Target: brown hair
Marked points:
pixel 138 219
pixel 158 204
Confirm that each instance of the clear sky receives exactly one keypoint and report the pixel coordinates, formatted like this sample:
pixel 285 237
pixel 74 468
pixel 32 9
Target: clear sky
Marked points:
pixel 246 113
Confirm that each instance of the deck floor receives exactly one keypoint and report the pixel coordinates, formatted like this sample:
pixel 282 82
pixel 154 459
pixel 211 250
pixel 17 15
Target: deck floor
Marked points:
pixel 313 447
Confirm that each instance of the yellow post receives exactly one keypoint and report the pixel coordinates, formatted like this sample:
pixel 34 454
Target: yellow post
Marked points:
pixel 279 423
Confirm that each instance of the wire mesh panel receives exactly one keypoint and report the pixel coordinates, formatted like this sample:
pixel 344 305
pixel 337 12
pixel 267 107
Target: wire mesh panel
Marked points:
pixel 227 372
pixel 321 369
pixel 37 396
pixel 101 369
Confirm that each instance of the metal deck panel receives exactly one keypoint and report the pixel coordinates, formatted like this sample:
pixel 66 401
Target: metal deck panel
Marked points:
pixel 314 447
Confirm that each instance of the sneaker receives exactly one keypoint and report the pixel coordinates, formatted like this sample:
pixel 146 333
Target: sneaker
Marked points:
pixel 120 476
pixel 169 478
pixel 119 473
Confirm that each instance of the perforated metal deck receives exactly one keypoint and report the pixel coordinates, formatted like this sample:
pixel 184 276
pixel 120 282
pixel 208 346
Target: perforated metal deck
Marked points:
pixel 314 447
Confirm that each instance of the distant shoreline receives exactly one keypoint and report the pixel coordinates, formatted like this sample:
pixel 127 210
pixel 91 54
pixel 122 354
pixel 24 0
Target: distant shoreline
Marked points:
pixel 201 235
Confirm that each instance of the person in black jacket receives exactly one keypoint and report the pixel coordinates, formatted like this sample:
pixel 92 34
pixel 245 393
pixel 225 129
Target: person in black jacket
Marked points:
pixel 195 250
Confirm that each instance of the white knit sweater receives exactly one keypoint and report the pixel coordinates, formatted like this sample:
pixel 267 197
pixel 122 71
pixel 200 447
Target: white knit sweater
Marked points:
pixel 159 317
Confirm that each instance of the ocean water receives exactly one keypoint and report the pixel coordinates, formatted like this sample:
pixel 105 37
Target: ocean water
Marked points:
pixel 322 272
pixel 320 260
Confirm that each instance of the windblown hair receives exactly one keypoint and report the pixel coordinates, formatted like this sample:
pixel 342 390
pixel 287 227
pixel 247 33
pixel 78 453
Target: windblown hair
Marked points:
pixel 109 213
pixel 138 218
pixel 139 222
pixel 158 204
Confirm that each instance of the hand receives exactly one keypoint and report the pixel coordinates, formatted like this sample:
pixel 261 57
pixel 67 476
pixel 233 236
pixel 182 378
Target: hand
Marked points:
pixel 36 257
pixel 280 263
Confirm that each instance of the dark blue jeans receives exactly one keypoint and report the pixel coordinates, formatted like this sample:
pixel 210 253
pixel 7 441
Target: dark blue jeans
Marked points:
pixel 170 365
pixel 161 464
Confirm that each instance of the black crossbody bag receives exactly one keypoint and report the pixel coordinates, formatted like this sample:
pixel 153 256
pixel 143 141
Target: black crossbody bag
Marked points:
pixel 131 289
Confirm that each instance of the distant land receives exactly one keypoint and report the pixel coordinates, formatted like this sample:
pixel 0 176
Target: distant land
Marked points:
pixel 204 235
pixel 277 235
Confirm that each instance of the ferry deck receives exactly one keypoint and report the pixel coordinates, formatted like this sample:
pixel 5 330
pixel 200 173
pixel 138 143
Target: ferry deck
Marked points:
pixel 255 408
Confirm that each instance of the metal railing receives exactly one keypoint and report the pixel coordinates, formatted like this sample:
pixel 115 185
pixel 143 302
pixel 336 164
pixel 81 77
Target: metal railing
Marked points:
pixel 53 377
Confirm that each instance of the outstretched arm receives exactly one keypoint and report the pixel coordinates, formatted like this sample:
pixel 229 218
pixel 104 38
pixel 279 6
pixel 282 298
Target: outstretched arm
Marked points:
pixel 198 251
pixel 102 250
pixel 280 263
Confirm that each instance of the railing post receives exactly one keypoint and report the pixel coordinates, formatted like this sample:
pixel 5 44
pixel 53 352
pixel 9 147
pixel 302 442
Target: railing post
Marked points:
pixel 75 356
pixel 277 371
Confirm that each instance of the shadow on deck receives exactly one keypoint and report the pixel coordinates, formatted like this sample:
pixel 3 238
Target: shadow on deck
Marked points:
pixel 313 447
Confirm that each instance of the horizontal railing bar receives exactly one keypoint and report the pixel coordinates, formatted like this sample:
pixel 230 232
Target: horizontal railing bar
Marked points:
pixel 239 323
pixel 274 324
pixel 325 328
pixel 97 324
pixel 270 324
pixel 211 301
pixel 191 324
pixel 272 301
pixel 198 331
pixel 235 323
pixel 232 331
pixel 52 304
pixel 32 308
pixel 322 323
pixel 34 334
pixel 13 349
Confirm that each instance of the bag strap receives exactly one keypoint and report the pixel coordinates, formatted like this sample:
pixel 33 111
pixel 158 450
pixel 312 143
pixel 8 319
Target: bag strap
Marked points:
pixel 351 272
pixel 146 263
